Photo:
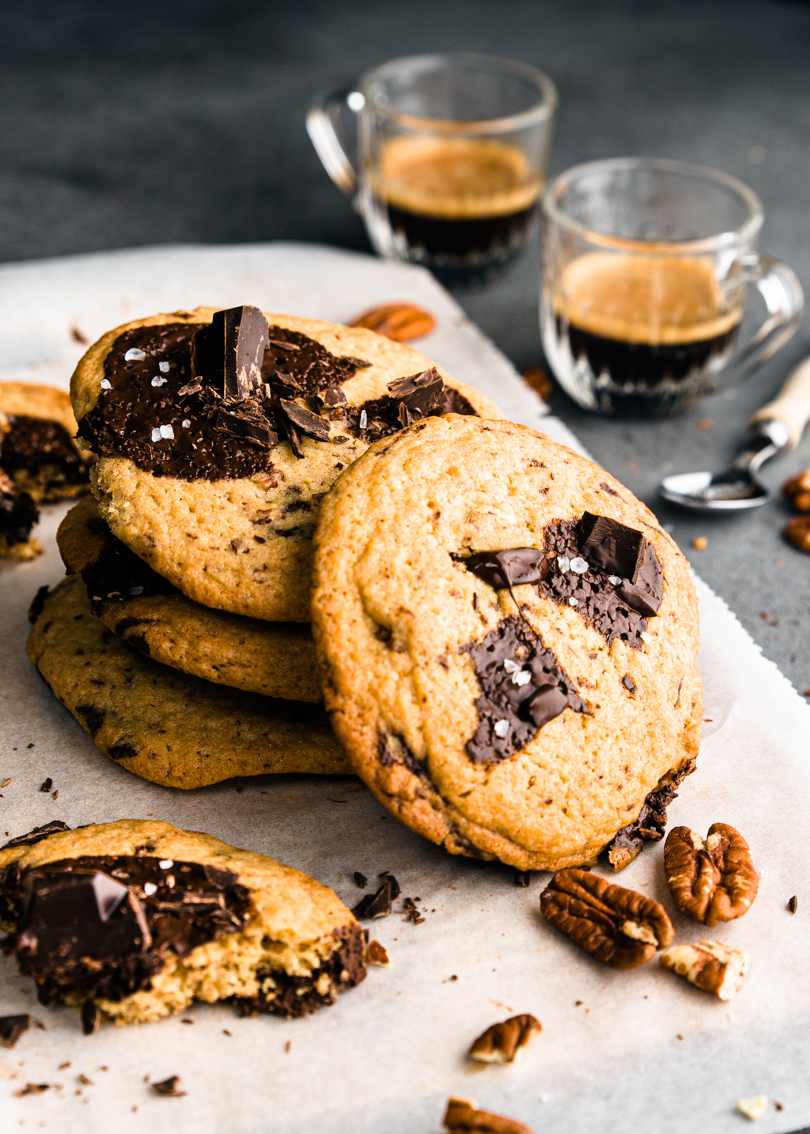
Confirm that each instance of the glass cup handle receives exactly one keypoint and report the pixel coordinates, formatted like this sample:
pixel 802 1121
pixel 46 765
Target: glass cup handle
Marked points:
pixel 330 139
pixel 780 288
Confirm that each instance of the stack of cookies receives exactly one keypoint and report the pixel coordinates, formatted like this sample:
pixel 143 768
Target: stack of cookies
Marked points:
pixel 181 638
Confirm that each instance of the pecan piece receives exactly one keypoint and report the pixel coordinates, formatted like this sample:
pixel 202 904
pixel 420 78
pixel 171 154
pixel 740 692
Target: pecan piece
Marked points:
pixel 797 490
pixel 501 1043
pixel 463 1117
pixel 797 532
pixel 712 880
pixel 709 965
pixel 618 927
pixel 398 321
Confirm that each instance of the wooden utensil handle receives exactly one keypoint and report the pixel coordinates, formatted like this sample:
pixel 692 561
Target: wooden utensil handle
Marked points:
pixel 792 405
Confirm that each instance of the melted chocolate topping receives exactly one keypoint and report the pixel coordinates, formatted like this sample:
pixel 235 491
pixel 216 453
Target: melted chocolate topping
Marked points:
pixel 153 411
pixel 523 687
pixel 651 824
pixel 409 399
pixel 34 441
pixel 102 925
pixel 598 600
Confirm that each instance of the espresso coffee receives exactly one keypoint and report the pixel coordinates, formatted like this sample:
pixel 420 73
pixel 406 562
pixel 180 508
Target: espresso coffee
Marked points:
pixel 463 205
pixel 645 320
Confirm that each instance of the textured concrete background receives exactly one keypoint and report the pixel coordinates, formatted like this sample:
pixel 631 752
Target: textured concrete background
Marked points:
pixel 126 124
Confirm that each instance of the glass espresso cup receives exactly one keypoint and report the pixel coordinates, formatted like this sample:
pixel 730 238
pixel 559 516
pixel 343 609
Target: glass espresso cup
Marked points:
pixel 452 158
pixel 646 268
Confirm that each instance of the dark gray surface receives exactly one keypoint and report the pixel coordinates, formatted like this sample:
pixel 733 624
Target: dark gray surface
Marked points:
pixel 132 124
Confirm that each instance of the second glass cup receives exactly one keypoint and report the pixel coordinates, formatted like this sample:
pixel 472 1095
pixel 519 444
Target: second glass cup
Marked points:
pixel 452 157
pixel 646 267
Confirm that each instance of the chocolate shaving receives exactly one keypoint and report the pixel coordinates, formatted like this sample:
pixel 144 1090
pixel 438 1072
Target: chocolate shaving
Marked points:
pixel 37 835
pixel 168 1087
pixel 304 420
pixel 380 903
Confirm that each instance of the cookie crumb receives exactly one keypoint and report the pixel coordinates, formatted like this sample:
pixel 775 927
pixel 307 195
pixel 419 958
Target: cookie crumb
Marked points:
pixel 793 904
pixel 168 1087
pixel 46 785
pixel 6 782
pixel 287 1046
pixel 225 1032
pixel 753 1108
pixel 378 954
pixel 700 543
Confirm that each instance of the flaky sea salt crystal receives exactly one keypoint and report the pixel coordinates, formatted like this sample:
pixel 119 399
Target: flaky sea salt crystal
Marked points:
pixel 134 355
pixel 645 637
pixel 563 562
pixel 164 367
pixel 521 677
pixel 166 863
pixel 501 728
pixel 573 601
pixel 158 381
pixel 185 423
pixel 149 888
pixel 363 419
pixel 579 565
pixel 510 666
pixel 156 434
pixel 614 579
pixel 105 384
pixel 167 432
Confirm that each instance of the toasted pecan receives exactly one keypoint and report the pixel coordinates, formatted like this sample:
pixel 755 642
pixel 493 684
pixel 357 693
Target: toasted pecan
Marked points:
pixel 711 880
pixel 398 321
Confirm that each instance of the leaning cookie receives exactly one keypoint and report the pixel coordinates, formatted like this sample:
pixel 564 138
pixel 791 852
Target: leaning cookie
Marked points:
pixel 276 659
pixel 162 725
pixel 134 920
pixel 216 483
pixel 507 642
pixel 37 447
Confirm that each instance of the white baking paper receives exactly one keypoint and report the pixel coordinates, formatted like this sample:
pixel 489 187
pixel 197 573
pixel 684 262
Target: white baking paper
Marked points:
pixel 619 1051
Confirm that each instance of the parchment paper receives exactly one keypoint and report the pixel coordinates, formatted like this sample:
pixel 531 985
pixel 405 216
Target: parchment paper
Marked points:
pixel 633 1051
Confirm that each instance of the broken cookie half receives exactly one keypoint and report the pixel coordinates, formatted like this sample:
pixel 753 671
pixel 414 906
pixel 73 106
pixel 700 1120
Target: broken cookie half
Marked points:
pixel 134 920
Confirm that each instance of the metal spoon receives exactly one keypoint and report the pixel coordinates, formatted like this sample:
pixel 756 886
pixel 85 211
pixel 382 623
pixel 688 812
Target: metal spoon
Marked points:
pixel 778 428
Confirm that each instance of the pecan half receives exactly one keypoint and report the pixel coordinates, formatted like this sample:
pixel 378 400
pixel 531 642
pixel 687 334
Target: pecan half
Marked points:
pixel 501 1043
pixel 463 1117
pixel 618 927
pixel 709 965
pixel 797 490
pixel 797 532
pixel 712 880
pixel 398 321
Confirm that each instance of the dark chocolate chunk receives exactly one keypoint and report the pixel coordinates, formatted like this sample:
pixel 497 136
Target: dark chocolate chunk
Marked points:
pixel 37 835
pixel 523 687
pixel 546 703
pixel 510 568
pixel 420 394
pixel 380 417
pixel 12 1027
pixel 793 904
pixel 293 436
pixel 46 785
pixel 168 1087
pixel 645 590
pixel 305 420
pixel 411 912
pixel 611 546
pixel 360 880
pixel 378 904
pixel 38 603
pixel 228 354
pixel 628 683
pixel 257 432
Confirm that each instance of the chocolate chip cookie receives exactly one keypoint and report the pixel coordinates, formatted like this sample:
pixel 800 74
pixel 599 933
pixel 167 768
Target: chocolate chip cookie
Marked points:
pixel 507 642
pixel 37 448
pixel 134 920
pixel 218 432
pixel 163 725
pixel 276 659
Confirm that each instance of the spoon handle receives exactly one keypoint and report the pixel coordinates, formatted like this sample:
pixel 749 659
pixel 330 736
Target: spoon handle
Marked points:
pixel 791 406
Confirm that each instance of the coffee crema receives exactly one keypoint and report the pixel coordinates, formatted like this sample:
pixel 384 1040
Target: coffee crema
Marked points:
pixel 645 319
pixel 456 197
